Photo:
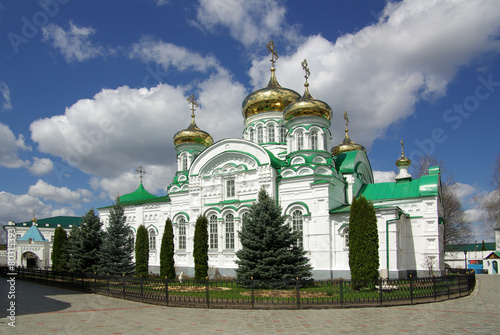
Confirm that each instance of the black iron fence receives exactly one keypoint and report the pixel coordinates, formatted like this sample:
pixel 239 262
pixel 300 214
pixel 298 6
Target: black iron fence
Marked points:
pixel 337 293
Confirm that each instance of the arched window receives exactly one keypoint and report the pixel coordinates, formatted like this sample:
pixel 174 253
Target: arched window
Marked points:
pixel 152 239
pixel 314 140
pixel 346 237
pixel 300 141
pixel 270 133
pixel 283 134
pixel 297 225
pixel 182 234
pixel 184 163
pixel 229 231
pixel 260 135
pixel 213 242
pixel 251 134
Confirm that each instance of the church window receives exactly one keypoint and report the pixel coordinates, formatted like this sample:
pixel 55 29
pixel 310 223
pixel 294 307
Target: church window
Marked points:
pixel 213 234
pixel 314 140
pixel 270 133
pixel 184 163
pixel 297 225
pixel 260 135
pixel 282 134
pixel 152 239
pixel 182 234
pixel 230 188
pixel 346 238
pixel 300 141
pixel 251 134
pixel 230 231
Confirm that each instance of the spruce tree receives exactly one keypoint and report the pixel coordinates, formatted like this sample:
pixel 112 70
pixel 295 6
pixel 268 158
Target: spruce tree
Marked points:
pixel 269 253
pixel 118 244
pixel 76 252
pixel 363 244
pixel 60 255
pixel 142 252
pixel 167 264
pixel 200 248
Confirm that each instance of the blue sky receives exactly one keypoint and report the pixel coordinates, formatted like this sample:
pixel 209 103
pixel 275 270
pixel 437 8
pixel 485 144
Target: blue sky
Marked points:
pixel 90 90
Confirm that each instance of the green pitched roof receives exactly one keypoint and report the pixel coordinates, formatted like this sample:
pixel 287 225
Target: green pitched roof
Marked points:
pixel 425 186
pixel 138 195
pixel 34 234
pixel 54 222
pixel 470 247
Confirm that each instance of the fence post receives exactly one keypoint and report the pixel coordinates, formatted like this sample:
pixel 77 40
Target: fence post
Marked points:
pixel 380 290
pixel 448 286
pixel 142 290
pixel 411 289
pixel 341 293
pixel 208 294
pixel 123 286
pixel 166 289
pixel 54 278
pixel 108 283
pixel 95 281
pixel 434 285
pixel 251 281
pixel 459 286
pixel 83 281
pixel 297 285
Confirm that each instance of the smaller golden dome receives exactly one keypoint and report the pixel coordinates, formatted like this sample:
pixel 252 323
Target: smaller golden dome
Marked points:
pixel 403 160
pixel 273 97
pixel 307 106
pixel 193 134
pixel 347 144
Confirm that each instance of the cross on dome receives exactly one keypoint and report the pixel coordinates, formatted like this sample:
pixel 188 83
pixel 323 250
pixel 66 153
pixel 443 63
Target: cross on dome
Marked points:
pixel 141 172
pixel 272 50
pixel 306 69
pixel 194 104
pixel 346 118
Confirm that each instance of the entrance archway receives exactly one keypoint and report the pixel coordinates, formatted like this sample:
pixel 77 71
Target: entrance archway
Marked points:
pixel 31 260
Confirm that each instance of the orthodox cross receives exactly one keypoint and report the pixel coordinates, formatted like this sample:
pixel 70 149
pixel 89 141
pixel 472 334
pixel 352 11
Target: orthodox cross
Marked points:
pixel 306 69
pixel 193 103
pixel 272 51
pixel 402 148
pixel 34 218
pixel 346 120
pixel 141 172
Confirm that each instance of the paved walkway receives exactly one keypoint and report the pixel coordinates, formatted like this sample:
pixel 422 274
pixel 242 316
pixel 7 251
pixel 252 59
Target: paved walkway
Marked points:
pixel 48 310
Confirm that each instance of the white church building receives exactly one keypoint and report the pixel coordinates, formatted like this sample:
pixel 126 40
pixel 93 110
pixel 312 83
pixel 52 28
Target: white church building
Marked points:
pixel 286 149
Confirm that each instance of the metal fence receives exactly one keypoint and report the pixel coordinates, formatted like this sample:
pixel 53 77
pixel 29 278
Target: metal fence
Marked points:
pixel 337 293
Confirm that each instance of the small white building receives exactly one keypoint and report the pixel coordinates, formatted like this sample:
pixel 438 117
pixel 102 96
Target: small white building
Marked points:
pixel 286 149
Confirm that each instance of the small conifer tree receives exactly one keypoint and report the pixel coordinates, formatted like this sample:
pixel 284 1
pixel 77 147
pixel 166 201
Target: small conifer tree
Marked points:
pixel 118 244
pixel 200 248
pixel 141 252
pixel 60 255
pixel 363 244
pixel 167 264
pixel 270 253
pixel 85 244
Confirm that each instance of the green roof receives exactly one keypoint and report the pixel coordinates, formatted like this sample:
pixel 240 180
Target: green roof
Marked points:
pixel 34 234
pixel 54 222
pixel 425 186
pixel 470 247
pixel 138 195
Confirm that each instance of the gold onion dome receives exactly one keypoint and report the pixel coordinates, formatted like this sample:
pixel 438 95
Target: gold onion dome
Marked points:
pixel 403 160
pixel 307 105
pixel 193 134
pixel 347 144
pixel 273 97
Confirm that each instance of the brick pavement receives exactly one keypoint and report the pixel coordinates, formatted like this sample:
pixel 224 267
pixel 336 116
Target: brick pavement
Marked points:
pixel 49 310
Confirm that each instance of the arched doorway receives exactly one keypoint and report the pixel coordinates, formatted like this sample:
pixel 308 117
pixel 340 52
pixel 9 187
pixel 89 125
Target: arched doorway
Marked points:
pixel 30 259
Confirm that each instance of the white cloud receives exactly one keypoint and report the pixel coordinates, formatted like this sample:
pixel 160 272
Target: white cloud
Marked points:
pixel 9 147
pixel 463 191
pixel 41 166
pixel 149 49
pixel 379 73
pixel 248 21
pixel 384 176
pixel 74 43
pixel 58 194
pixel 162 2
pixel 5 92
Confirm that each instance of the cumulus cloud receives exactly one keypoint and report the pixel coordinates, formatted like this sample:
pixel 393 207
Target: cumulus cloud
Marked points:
pixel 379 73
pixel 5 92
pixel 463 191
pixel 384 176
pixel 74 43
pixel 9 146
pixel 248 21
pixel 58 194
pixel 41 166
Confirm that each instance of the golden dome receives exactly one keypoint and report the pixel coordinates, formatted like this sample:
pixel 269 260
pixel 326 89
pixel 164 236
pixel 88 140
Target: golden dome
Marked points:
pixel 308 106
pixel 273 97
pixel 347 144
pixel 193 134
pixel 403 160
